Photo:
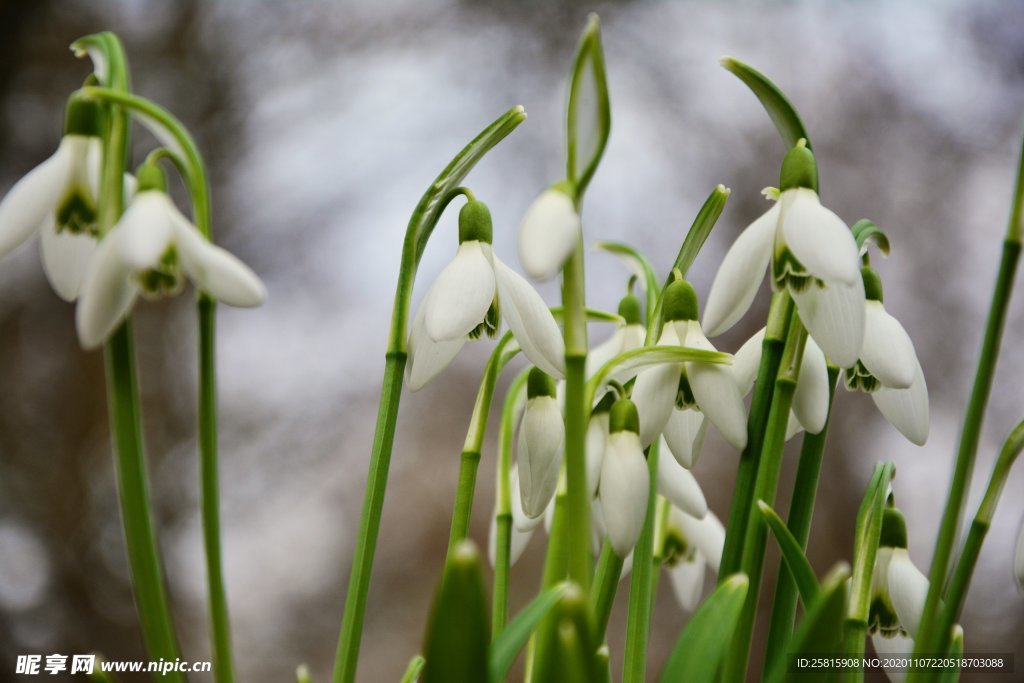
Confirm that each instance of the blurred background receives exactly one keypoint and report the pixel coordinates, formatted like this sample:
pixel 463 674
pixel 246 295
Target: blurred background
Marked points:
pixel 323 123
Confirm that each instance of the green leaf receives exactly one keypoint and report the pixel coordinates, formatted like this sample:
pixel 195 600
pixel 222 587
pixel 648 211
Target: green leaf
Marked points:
pixel 507 645
pixel 793 554
pixel 566 648
pixel 412 672
pixel 820 631
pixel 865 231
pixel 702 645
pixel 866 536
pixel 779 108
pixel 436 198
pixel 459 632
pixel 639 264
pixel 594 315
pixel 589 115
pixel 956 651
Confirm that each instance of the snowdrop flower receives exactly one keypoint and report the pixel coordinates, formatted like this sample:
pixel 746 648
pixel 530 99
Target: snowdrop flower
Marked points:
pixel 549 232
pixel 812 253
pixel 810 398
pixel 541 444
pixel 676 391
pixel 625 482
pixel 692 545
pixel 148 252
pixel 629 335
pixel 58 199
pixel 888 369
pixel 898 593
pixel 470 297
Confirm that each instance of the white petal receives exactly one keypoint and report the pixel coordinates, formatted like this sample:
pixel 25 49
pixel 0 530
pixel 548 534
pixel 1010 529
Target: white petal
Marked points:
pixel 818 238
pixel 598 355
pixel 684 435
pixel 539 453
pixel 548 234
pixel 214 270
pixel 625 486
pixel 654 394
pixel 707 534
pixel 146 230
pixel 887 353
pixel 597 436
pixel 94 169
pixel 893 647
pixel 461 295
pixel 66 258
pixel 793 426
pixel 680 487
pixel 716 391
pixel 740 274
pixel 908 588
pixel 810 400
pixel 530 320
pixel 834 316
pixel 747 362
pixel 108 293
pixel 427 357
pixel 906 409
pixel 33 197
pixel 687 579
pixel 520 521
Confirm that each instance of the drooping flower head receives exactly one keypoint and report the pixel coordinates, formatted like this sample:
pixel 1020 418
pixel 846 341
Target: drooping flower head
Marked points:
pixel 692 545
pixel 541 444
pixel 683 394
pixel 149 252
pixel 58 198
pixel 625 482
pixel 549 232
pixel 812 253
pixel 470 298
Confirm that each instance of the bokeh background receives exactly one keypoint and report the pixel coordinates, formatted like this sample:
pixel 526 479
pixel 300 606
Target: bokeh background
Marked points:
pixel 322 123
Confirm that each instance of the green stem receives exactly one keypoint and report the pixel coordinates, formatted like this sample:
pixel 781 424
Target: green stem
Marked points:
pixel 929 638
pixel 502 556
pixel 473 444
pixel 950 612
pixel 752 563
pixel 801 511
pixel 606 584
pixel 220 627
pixel 750 459
pixel 133 493
pixel 638 620
pixel 577 411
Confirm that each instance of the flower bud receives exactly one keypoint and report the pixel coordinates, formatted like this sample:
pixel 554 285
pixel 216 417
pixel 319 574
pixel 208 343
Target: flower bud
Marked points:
pixel 541 444
pixel 625 481
pixel 549 232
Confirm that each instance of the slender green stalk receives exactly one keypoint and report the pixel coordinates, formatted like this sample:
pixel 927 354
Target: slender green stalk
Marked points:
pixel 961 580
pixel 752 563
pixel 421 225
pixel 929 638
pixel 503 541
pixel 470 457
pixel 136 508
pixel 746 475
pixel 866 538
pixel 606 584
pixel 638 620
pixel 123 394
pixel 580 563
pixel 801 510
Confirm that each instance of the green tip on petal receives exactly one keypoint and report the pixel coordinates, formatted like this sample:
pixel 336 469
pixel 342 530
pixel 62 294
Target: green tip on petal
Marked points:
pixel 799 169
pixel 475 222
pixel 680 302
pixel 894 529
pixel 624 417
pixel 151 177
pixel 629 309
pixel 83 117
pixel 872 284
pixel 539 384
